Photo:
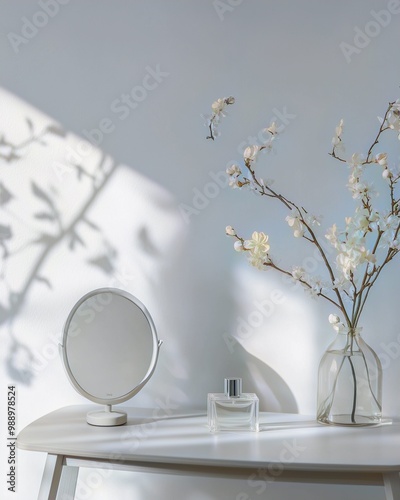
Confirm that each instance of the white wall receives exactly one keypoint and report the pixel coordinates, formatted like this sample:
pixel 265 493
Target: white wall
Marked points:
pixel 272 56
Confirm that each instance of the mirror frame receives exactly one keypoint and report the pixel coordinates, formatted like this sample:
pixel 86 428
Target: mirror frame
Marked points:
pixel 156 347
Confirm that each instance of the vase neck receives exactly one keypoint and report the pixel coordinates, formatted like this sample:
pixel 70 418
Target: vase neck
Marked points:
pixel 347 339
pixel 350 331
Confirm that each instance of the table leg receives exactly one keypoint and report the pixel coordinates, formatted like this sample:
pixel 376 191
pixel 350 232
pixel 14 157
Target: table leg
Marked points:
pixel 69 477
pixel 391 481
pixel 58 481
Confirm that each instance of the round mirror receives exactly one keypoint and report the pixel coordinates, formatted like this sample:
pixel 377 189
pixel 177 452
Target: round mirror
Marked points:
pixel 110 350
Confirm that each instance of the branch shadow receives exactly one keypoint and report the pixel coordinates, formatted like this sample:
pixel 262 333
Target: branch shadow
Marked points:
pixel 54 231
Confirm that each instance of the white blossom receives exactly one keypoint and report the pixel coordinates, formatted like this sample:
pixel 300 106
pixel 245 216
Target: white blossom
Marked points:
pixel 251 152
pixel 238 246
pixel 337 138
pixel 381 159
pixel 340 328
pixel 230 231
pixel 218 106
pixel 257 261
pixel 233 170
pixel 333 319
pixel 387 174
pixel 374 216
pixel 297 226
pixel 258 244
pixel 353 254
pixel 313 290
pixel 360 224
pixel 258 248
pixel 332 236
pixel 393 118
pixel 313 220
pixel 355 161
pixel 388 224
pixel 234 183
pixel 360 189
pixel 298 272
pixel 395 244
pixel 272 129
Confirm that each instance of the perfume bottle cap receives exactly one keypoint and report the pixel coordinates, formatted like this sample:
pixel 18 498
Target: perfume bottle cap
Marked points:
pixel 233 387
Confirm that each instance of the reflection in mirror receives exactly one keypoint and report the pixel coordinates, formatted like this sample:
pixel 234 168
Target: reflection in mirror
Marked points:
pixel 110 350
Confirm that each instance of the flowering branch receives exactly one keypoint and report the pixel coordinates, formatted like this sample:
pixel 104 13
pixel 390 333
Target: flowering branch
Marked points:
pixel 382 128
pixel 357 267
pixel 218 108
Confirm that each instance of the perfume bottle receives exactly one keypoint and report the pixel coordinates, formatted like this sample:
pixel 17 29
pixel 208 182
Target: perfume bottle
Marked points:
pixel 232 411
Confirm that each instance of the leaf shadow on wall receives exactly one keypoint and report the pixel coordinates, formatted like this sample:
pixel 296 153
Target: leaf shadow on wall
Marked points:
pixel 27 240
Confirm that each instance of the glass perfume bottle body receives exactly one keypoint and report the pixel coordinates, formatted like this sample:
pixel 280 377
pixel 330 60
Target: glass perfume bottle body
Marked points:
pixel 232 410
pixel 232 413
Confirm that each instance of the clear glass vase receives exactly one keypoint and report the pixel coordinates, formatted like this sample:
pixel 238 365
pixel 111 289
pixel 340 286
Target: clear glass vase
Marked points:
pixel 349 383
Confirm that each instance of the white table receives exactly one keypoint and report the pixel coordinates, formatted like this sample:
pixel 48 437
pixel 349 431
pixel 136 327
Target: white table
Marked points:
pixel 288 447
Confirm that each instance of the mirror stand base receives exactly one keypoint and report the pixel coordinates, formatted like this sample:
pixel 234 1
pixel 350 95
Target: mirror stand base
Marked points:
pixel 106 417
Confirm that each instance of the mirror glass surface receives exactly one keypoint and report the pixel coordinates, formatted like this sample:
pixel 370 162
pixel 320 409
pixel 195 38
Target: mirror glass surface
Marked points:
pixel 110 346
